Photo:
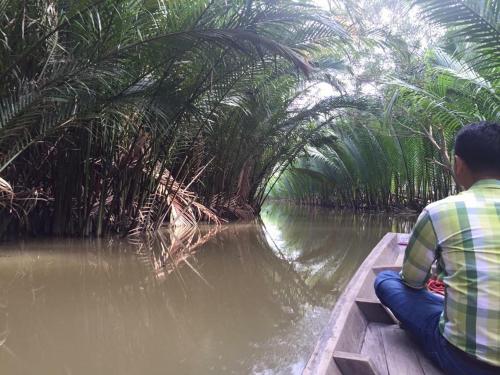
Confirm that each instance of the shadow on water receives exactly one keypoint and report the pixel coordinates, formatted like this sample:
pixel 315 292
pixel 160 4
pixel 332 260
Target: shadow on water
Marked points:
pixel 252 299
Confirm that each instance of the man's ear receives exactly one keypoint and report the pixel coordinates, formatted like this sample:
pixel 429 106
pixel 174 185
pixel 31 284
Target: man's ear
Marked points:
pixel 458 165
pixel 462 172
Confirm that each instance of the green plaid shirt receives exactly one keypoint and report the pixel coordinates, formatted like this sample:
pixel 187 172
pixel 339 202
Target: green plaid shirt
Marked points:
pixel 462 233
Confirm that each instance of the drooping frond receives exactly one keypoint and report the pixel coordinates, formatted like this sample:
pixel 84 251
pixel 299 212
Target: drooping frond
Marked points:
pixel 475 23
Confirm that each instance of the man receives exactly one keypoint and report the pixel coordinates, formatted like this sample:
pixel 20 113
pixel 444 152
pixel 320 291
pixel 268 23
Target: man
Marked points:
pixel 460 332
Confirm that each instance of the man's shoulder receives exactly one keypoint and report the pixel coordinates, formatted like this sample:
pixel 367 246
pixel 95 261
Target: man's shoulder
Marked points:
pixel 446 203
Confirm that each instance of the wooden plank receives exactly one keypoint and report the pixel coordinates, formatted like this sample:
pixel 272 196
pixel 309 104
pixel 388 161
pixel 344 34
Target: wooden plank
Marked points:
pixel 389 312
pixel 352 333
pixel 388 267
pixel 350 363
pixel 388 255
pixel 428 367
pixel 373 348
pixel 400 259
pixel 374 311
pixel 402 244
pixel 367 291
pixel 320 362
pixel 400 352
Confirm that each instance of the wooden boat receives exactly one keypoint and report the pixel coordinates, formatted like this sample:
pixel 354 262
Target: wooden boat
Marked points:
pixel 362 336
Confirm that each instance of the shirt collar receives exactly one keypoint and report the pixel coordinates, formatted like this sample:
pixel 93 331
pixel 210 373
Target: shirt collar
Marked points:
pixel 486 184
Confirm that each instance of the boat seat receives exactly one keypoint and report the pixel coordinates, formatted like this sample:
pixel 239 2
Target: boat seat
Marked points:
pixel 353 363
pixel 375 312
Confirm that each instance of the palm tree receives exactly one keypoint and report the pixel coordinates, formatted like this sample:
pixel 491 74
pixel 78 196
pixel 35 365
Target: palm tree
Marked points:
pixel 403 158
pixel 114 111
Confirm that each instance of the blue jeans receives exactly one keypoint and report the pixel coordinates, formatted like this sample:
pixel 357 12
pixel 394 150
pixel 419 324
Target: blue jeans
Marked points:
pixel 419 311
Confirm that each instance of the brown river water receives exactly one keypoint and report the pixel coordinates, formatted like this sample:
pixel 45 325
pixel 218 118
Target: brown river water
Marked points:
pixel 253 299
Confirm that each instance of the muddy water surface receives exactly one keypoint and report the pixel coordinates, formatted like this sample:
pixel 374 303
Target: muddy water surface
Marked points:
pixel 253 299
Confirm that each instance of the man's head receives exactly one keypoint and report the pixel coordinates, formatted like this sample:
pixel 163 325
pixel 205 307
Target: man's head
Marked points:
pixel 477 153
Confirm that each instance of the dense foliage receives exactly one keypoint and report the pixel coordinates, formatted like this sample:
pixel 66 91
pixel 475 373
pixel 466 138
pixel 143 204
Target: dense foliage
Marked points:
pixel 403 157
pixel 119 115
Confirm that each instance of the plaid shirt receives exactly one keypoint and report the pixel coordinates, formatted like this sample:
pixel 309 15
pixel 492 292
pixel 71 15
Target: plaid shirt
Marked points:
pixel 462 233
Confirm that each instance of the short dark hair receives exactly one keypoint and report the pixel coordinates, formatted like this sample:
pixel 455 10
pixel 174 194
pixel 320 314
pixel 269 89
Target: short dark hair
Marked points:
pixel 479 146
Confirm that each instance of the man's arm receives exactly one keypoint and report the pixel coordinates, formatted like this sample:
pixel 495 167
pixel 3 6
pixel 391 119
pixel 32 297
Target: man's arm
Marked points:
pixel 420 252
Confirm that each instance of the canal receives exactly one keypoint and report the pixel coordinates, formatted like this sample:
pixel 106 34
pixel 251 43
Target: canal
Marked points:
pixel 252 298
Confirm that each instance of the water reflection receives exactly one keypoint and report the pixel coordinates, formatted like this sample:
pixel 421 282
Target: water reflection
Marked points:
pixel 253 298
pixel 325 246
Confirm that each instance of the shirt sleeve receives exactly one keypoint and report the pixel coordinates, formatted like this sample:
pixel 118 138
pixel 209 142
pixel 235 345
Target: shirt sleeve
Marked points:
pixel 420 252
